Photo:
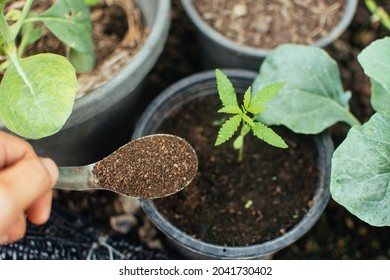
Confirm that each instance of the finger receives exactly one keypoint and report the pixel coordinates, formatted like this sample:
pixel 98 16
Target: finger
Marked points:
pixel 22 184
pixel 39 212
pixel 13 149
pixel 16 230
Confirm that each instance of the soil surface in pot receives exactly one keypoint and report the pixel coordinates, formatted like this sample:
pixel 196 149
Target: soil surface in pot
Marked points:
pixel 266 24
pixel 238 203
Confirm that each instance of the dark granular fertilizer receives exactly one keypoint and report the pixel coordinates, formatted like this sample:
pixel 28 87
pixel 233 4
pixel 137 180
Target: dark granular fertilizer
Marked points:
pixel 150 167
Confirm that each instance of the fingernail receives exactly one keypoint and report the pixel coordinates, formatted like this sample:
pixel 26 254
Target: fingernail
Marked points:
pixel 51 166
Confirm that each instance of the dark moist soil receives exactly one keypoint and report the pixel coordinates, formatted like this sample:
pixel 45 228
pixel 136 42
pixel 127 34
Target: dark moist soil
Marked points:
pixel 277 183
pixel 266 24
pixel 338 234
pixel 149 167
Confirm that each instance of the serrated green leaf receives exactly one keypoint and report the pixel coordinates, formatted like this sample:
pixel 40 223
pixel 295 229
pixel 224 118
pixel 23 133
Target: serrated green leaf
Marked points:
pixel 226 91
pixel 375 60
pixel 247 98
pixel 230 110
pixel 266 134
pixel 360 174
pixel 70 22
pixel 263 96
pixel 38 104
pixel 228 129
pixel 313 98
pixel 248 120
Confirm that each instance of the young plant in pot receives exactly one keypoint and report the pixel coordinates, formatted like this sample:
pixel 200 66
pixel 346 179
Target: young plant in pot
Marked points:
pixel 361 163
pixel 81 131
pixel 240 34
pixel 248 208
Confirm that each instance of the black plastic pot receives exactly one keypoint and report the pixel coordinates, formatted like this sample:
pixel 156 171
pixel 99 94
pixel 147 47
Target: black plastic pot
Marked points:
pixel 99 122
pixel 204 84
pixel 221 52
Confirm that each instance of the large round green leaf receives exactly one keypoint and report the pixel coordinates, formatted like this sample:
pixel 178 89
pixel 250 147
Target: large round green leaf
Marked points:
pixel 313 98
pixel 37 95
pixel 360 175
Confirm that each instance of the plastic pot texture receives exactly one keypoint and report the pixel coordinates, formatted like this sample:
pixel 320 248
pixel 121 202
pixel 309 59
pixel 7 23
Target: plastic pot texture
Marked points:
pixel 221 52
pixel 99 122
pixel 203 84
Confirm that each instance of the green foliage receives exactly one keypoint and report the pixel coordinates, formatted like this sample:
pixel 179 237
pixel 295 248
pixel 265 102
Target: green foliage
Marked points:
pixel 91 2
pixel 37 93
pixel 379 14
pixel 251 104
pixel 375 61
pixel 23 94
pixel 360 178
pixel 69 21
pixel 313 98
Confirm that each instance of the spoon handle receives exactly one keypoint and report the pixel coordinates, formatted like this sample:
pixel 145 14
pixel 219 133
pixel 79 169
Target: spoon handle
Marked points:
pixel 77 178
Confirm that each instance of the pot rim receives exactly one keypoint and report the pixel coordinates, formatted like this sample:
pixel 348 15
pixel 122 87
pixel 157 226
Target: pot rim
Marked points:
pixel 210 33
pixel 101 99
pixel 324 146
pixel 98 98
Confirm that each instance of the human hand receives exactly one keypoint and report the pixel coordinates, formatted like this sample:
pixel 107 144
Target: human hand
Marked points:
pixel 26 182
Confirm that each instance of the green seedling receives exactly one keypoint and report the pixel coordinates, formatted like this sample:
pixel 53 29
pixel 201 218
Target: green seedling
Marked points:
pixel 37 92
pixel 245 115
pixel 313 100
pixel 248 204
pixel 378 14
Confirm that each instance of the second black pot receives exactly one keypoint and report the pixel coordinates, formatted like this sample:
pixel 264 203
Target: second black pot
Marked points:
pixel 204 84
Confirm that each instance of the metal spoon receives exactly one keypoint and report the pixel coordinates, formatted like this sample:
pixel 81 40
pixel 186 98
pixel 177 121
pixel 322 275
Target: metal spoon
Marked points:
pixel 149 167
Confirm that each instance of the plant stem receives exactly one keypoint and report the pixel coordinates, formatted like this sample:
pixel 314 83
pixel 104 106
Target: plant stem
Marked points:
pixel 244 131
pixel 378 13
pixel 10 47
pixel 354 121
pixel 9 43
pixel 18 25
pixel 3 66
pixel 241 151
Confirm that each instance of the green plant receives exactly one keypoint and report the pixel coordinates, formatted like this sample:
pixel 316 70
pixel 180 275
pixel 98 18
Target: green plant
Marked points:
pixel 313 100
pixel 378 14
pixel 360 178
pixel 37 92
pixel 252 104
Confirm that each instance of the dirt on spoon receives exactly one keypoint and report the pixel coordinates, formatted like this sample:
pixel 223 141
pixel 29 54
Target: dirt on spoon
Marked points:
pixel 150 167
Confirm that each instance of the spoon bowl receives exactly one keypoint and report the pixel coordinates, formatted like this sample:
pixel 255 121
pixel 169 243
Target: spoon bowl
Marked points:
pixel 149 167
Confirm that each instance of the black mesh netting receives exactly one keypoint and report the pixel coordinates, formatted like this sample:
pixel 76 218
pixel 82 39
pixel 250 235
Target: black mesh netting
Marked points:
pixel 67 236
